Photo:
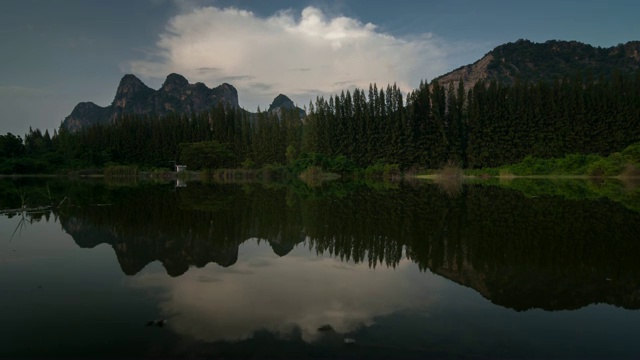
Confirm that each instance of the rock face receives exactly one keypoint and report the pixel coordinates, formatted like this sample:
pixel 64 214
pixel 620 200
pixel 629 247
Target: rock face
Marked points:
pixel 282 103
pixel 133 97
pixel 528 61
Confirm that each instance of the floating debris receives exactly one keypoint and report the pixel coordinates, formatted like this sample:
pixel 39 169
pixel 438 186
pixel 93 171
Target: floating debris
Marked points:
pixel 349 341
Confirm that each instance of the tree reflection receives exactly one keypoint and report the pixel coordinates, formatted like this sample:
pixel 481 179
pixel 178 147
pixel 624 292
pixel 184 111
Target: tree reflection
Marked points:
pixel 518 251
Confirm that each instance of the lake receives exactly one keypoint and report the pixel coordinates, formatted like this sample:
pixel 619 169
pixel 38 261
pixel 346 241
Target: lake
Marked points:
pixel 526 269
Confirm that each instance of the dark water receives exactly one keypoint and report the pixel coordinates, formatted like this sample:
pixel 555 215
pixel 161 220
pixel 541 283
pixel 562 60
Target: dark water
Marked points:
pixel 250 270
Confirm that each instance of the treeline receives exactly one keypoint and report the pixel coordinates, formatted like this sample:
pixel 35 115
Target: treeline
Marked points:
pixel 222 137
pixel 486 126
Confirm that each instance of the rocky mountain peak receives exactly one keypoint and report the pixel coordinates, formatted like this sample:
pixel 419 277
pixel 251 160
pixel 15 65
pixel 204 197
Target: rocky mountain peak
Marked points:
pixel 130 88
pixel 174 81
pixel 134 97
pixel 229 92
pixel 281 101
pixel 129 85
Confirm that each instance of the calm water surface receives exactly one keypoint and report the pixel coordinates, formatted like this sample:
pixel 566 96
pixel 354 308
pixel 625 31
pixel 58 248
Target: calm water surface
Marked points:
pixel 250 270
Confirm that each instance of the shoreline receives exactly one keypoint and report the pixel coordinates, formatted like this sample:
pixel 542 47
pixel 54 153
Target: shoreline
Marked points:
pixel 509 177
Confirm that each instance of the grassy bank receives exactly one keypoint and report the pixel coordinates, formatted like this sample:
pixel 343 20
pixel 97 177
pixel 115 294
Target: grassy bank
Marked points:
pixel 624 164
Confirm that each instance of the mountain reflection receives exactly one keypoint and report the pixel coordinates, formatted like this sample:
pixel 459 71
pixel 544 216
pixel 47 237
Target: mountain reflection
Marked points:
pixel 519 252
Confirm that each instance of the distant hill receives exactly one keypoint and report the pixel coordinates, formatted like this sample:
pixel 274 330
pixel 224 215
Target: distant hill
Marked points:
pixel 529 61
pixel 176 95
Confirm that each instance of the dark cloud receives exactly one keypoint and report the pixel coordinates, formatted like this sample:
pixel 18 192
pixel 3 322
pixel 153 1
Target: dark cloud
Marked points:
pixel 208 69
pixel 345 82
pixel 312 92
pixel 236 78
pixel 261 86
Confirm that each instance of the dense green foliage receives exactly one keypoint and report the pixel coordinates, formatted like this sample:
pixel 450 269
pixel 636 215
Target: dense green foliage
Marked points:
pixel 490 125
pixel 529 61
pixel 120 170
pixel 226 137
pixel 625 163
pixel 205 155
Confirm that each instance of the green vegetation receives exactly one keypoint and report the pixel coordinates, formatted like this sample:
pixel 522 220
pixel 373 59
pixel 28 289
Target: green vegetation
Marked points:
pixel 205 155
pixel 529 61
pixel 120 170
pixel 314 176
pixel 622 164
pixel 374 134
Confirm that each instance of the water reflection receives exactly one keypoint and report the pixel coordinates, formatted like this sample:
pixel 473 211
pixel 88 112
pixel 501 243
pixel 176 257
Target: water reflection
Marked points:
pixel 518 250
pixel 290 296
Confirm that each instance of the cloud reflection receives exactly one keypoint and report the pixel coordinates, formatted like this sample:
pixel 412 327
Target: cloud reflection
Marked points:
pixel 284 294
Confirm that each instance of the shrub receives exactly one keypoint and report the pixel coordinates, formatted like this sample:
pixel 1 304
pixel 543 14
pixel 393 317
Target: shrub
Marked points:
pixel 248 164
pixel 120 170
pixel 312 176
pixel 451 171
pixel 383 171
pixel 606 167
pixel 632 153
pixel 271 172
pixel 341 165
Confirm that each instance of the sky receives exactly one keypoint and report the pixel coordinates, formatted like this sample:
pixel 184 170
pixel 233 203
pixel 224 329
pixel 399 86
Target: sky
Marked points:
pixel 57 53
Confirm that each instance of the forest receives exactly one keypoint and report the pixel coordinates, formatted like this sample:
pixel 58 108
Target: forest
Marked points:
pixel 488 125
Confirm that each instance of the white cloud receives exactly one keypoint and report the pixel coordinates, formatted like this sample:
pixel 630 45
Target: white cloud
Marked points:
pixel 296 55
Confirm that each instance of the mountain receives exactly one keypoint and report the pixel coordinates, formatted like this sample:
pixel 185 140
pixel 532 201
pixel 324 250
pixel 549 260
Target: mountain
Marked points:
pixel 528 61
pixel 176 95
pixel 521 60
pixel 283 103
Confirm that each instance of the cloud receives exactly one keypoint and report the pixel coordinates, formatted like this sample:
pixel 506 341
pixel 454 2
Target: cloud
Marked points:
pixel 261 86
pixel 290 52
pixel 207 69
pixel 237 78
